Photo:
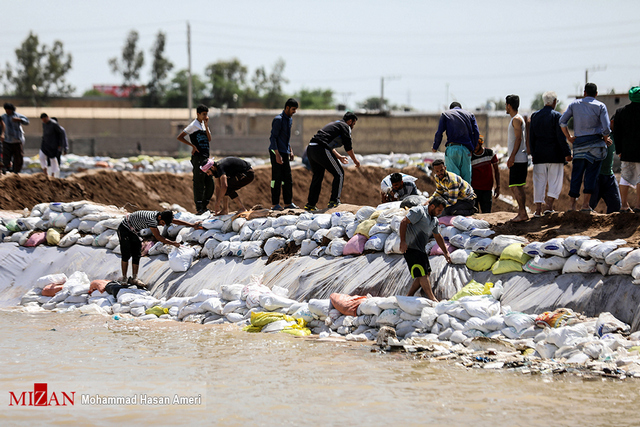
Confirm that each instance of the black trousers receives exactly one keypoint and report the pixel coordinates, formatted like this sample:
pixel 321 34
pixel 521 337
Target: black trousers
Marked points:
pixel 234 183
pixel 484 200
pixel 281 179
pixel 462 207
pixel 321 159
pixel 12 152
pixel 130 245
pixel 203 185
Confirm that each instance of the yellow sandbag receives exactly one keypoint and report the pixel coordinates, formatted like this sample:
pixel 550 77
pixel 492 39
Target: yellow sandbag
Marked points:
pixel 480 262
pixel 157 310
pixel 262 318
pixel 506 266
pixel 302 332
pixel 53 237
pixel 471 288
pixel 487 288
pixel 374 216
pixel 252 328
pixel 364 227
pixel 514 252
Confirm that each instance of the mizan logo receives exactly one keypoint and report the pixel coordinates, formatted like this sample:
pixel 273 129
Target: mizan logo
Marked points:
pixel 41 397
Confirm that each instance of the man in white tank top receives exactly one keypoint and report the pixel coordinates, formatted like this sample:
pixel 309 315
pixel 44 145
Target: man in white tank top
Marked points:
pixel 517 157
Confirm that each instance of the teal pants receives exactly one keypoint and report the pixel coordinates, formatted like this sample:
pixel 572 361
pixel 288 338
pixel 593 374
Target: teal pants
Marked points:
pixel 457 159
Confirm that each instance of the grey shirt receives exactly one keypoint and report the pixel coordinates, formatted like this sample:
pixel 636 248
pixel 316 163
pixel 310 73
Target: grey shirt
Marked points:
pixel 421 227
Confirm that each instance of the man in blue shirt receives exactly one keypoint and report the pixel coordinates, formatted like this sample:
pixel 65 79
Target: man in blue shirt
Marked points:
pixel 590 141
pixel 12 138
pixel 281 154
pixel 462 139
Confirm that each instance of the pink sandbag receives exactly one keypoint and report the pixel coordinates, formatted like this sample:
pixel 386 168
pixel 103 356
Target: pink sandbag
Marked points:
pixel 346 304
pixel 437 251
pixel 355 245
pixel 36 239
pixel 445 220
pixel 146 245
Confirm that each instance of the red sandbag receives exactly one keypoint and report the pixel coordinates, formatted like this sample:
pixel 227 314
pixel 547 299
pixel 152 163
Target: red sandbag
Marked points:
pixel 36 239
pixel 146 245
pixel 355 245
pixel 435 250
pixel 346 304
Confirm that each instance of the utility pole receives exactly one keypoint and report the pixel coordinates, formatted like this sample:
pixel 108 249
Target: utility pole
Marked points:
pixel 189 87
pixel 586 72
pixel 382 89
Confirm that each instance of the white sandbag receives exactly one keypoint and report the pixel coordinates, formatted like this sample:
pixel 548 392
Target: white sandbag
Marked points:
pixel 627 264
pixel 617 255
pixel 284 220
pixel 180 258
pixel 342 219
pixel 69 239
pixel 102 239
pixel 237 224
pixel 390 317
pixel 587 246
pixel 462 223
pixel 86 226
pixel 481 245
pixel 308 245
pixel 364 213
pixel 494 323
pixel 195 308
pixel 392 244
pixel 538 264
pixel 447 232
pixel 460 240
pixel 335 233
pixel 376 242
pixel 60 220
pixel 231 292
pixel 607 324
pixel 320 221
pixel 546 350
pixel 369 306
pixel 319 235
pixel 298 236
pixel 533 249
pixel 428 317
pixel 233 306
pixel 573 243
pixel 253 250
pixel 271 301
pixel 212 224
pixel 499 243
pixel 475 323
pixel 86 240
pixel 304 224
pixel 77 284
pixel 602 268
pixel 320 308
pixel 350 230
pixel 600 252
pixel 71 225
pixel 519 321
pixel 318 252
pixel 274 244
pixel 235 249
pixel 460 256
pixel 481 306
pixel 482 232
pixel 380 229
pixel 245 233
pixel 235 318
pixel 577 264
pixel 554 247
pixel 336 247
pixel 203 295
pixel 413 305
pixel 56 279
pixel 567 335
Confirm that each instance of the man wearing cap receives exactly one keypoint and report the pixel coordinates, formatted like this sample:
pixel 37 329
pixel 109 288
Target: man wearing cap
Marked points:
pixel 130 244
pixel 231 174
pixel 199 139
pixel 627 136
pixel 462 137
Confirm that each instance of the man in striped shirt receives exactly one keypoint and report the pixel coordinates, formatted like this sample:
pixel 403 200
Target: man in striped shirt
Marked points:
pixel 130 244
pixel 454 190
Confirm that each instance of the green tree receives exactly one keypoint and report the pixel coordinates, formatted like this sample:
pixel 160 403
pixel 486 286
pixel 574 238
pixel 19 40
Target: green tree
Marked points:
pixel 372 103
pixel 176 96
pixel 160 68
pixel 131 62
pixel 538 103
pixel 499 104
pixel 228 83
pixel 40 71
pixel 315 99
pixel 94 93
pixel 269 87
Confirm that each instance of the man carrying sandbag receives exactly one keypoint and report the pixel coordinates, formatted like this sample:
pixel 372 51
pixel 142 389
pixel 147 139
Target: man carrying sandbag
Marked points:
pixel 420 224
pixel 130 244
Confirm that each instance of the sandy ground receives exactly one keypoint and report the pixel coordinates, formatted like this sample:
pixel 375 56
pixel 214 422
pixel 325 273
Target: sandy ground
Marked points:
pixel 133 191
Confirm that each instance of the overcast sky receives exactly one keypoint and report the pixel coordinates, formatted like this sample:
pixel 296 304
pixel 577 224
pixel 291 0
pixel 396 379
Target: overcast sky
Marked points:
pixel 478 49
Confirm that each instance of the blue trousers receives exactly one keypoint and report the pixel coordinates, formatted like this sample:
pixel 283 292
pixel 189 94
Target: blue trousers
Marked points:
pixel 584 170
pixel 457 159
pixel 608 190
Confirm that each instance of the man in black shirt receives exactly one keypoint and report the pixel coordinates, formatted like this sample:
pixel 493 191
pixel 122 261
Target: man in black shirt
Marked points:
pixel 231 174
pixel 323 156
pixel 199 138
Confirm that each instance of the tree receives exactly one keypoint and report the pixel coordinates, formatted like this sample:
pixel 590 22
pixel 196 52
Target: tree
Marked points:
pixel 494 104
pixel 159 72
pixel 176 95
pixel 131 63
pixel 94 93
pixel 372 103
pixel 538 103
pixel 228 83
pixel 269 87
pixel 40 71
pixel 315 99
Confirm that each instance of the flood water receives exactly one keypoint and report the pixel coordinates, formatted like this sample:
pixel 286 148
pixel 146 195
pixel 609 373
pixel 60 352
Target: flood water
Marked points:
pixel 272 379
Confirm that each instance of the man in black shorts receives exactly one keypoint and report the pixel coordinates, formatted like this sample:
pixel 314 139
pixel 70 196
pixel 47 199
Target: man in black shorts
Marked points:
pixel 130 244
pixel 231 174
pixel 416 229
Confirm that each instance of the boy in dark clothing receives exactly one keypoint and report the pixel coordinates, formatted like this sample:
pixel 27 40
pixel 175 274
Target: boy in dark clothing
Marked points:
pixel 231 174
pixel 484 165
pixel 199 138
pixel 281 153
pixel 323 156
